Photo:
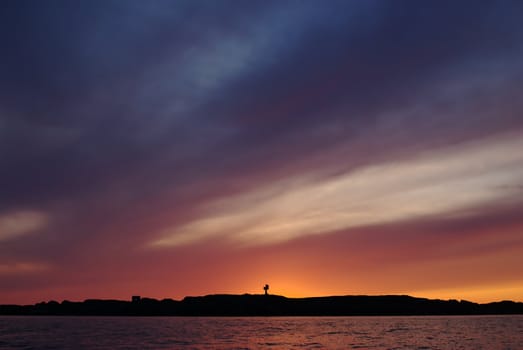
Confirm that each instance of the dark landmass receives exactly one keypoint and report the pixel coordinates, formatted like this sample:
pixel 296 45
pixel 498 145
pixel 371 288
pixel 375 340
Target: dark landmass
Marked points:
pixel 267 305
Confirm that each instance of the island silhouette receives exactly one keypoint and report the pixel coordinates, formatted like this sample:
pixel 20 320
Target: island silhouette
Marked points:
pixel 267 305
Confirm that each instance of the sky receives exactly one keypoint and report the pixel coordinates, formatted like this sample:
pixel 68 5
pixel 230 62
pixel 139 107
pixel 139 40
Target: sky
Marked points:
pixel 174 148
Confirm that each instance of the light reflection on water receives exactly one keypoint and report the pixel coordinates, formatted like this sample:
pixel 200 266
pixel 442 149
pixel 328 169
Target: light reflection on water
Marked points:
pixel 456 332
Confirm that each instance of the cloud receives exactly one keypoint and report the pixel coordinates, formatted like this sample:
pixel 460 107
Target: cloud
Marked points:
pixel 174 87
pixel 20 223
pixel 22 268
pixel 435 183
pixel 181 123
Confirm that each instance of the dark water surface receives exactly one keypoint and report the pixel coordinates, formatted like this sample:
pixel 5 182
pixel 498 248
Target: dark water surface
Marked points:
pixel 455 332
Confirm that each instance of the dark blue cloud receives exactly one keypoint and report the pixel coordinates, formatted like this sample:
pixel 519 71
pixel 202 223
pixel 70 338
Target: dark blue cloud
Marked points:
pixel 131 101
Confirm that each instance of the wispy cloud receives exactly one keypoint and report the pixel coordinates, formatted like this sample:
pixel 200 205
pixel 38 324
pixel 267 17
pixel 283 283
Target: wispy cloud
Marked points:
pixel 20 223
pixel 21 268
pixel 432 183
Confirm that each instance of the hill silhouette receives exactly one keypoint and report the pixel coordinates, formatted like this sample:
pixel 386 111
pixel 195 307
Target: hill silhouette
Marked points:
pixel 267 305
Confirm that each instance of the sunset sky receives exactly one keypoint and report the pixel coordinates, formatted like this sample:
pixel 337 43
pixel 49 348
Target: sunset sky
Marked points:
pixel 173 148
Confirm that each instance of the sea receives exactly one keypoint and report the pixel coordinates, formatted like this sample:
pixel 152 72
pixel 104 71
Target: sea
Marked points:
pixel 422 333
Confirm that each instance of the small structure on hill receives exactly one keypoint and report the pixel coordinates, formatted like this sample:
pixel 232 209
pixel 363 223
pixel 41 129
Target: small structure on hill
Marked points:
pixel 266 289
pixel 135 298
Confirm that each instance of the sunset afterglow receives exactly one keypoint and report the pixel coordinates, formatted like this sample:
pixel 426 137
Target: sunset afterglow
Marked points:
pixel 174 148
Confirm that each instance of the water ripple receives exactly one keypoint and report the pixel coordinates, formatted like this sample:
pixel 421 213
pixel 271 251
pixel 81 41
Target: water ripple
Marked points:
pixel 252 333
